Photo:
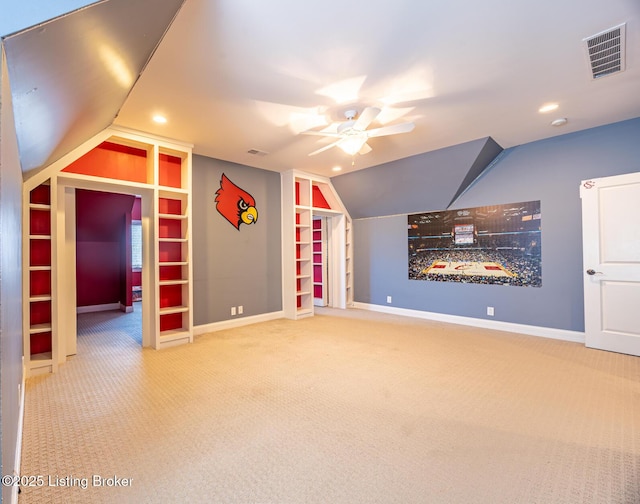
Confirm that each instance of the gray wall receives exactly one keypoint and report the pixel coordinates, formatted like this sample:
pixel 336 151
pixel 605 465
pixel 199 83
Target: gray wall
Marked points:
pixel 404 185
pixel 10 283
pixel 547 170
pixel 234 267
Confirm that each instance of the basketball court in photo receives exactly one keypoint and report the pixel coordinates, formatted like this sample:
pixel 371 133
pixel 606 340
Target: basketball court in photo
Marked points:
pixel 471 268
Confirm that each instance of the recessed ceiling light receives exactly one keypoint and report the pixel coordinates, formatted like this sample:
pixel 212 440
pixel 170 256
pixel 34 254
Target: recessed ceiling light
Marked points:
pixel 160 119
pixel 561 121
pixel 336 168
pixel 548 107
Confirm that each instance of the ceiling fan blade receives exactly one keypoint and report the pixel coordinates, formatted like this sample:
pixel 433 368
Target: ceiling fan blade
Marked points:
pixel 366 149
pixel 394 129
pixel 322 149
pixel 366 118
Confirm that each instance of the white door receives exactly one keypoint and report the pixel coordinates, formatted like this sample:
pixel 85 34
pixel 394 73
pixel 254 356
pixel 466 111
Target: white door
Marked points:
pixel 611 262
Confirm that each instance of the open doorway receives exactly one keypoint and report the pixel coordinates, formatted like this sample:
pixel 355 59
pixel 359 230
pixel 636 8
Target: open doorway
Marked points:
pixel 66 263
pixel 108 273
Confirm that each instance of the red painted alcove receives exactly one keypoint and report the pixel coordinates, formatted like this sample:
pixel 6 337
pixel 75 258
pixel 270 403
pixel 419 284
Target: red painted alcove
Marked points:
pixel 103 248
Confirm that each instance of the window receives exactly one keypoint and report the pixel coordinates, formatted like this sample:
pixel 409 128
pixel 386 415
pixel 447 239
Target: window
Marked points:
pixel 136 245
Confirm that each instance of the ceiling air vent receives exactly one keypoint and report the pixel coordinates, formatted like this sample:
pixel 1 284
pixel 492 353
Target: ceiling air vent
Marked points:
pixel 256 152
pixel 606 51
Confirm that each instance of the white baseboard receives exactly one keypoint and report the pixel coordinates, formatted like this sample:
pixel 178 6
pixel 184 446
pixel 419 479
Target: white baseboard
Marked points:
pixel 545 332
pixel 98 307
pixel 238 322
pixel 125 308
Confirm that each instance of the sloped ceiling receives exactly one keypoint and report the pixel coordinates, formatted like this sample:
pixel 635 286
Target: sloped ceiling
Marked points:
pixel 69 77
pixel 425 182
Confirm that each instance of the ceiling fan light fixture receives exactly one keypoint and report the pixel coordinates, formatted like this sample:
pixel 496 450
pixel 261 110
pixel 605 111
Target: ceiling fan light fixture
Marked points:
pixel 352 144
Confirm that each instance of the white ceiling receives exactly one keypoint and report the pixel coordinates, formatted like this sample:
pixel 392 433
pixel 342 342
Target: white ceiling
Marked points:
pixel 235 75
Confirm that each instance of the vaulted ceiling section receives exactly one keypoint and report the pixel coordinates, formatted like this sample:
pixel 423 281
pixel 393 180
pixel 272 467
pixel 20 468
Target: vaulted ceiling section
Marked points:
pixel 70 76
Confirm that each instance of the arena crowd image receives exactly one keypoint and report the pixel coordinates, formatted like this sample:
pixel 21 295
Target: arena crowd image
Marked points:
pixel 497 244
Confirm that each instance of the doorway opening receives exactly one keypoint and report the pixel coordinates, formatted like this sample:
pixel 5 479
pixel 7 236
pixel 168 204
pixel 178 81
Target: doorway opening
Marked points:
pixel 97 262
pixel 105 260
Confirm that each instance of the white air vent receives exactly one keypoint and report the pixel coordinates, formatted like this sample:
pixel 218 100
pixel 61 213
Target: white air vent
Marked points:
pixel 256 152
pixel 605 51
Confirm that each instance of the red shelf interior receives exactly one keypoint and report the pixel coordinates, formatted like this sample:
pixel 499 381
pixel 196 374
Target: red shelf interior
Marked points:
pixel 317 273
pixel 114 161
pixel 170 252
pixel 170 171
pixel 40 312
pixel 297 193
pixel 170 228
pixel 318 198
pixel 170 206
pixel 39 222
pixel 40 343
pixel 41 195
pixel 170 295
pixel 39 283
pixel 170 321
pixel 170 273
pixel 317 291
pixel 40 253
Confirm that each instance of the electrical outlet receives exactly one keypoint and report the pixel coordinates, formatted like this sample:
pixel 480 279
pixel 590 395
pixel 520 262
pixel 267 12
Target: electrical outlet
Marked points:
pixel 240 310
pixel 490 311
pixel 388 299
pixel 233 311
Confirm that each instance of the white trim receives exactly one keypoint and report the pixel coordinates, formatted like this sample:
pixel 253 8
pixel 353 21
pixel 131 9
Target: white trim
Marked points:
pixel 239 322
pixel 98 307
pixel 126 309
pixel 544 332
pixel 18 455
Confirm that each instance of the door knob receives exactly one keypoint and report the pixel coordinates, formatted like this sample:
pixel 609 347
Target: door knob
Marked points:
pixel 592 272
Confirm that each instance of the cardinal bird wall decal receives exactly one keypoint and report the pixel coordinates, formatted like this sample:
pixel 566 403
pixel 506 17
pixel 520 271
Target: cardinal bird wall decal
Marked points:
pixel 235 204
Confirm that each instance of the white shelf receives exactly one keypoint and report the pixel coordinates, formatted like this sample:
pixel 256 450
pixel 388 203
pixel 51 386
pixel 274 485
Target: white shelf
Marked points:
pixel 173 240
pixel 173 282
pixel 38 299
pixel 39 206
pixel 39 268
pixel 40 237
pixel 39 328
pixel 174 190
pixel 172 216
pixel 173 263
pixel 42 358
pixel 173 309
pixel 173 335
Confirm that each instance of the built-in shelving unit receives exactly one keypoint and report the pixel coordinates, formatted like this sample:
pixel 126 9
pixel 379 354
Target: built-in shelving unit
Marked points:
pixel 319 261
pixel 348 262
pixel 304 272
pixel 175 313
pixel 119 161
pixel 38 318
pixel 305 196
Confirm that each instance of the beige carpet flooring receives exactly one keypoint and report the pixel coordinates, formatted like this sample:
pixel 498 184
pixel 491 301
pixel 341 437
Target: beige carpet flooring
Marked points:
pixel 344 407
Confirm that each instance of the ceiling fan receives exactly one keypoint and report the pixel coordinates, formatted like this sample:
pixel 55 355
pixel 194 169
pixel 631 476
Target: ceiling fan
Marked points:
pixel 353 134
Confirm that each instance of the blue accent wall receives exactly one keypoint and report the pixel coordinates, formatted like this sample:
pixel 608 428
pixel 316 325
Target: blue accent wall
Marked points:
pixel 547 170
